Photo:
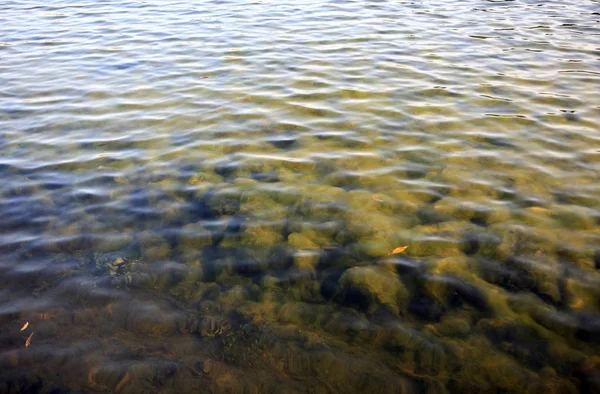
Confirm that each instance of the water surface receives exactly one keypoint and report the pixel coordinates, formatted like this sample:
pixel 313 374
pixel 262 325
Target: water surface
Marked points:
pixel 205 196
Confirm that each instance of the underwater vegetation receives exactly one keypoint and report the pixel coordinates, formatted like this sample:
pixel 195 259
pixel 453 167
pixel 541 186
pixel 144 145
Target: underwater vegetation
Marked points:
pixel 299 197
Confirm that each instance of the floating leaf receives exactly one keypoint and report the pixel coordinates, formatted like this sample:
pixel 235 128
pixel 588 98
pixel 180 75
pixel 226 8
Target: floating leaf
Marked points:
pixel 28 341
pixel 399 249
pixel 25 326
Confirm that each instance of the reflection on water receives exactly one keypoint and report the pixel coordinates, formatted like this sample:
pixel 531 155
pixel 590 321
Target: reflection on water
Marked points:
pixel 206 197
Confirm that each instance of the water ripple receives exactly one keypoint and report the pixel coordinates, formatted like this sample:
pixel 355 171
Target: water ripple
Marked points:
pixel 208 197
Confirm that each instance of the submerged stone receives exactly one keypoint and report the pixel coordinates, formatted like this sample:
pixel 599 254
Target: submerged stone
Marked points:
pixel 377 284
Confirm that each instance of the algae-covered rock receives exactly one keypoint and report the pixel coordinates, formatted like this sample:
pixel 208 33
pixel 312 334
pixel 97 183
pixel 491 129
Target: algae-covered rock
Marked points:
pixel 157 371
pixel 306 260
pixel 259 236
pixel 459 266
pixel 521 240
pixel 438 240
pixel 363 200
pixel 376 234
pixel 225 201
pixel 301 241
pixel 158 252
pixel 480 211
pixel 484 369
pixel 148 317
pixel 195 236
pixel 550 382
pixel 235 296
pixel 153 246
pixel 521 339
pixel 482 243
pixel 377 284
pixel 582 295
pixel 535 217
pixel 540 274
pixel 589 370
pixel 453 209
pixel 413 197
pixel 574 217
pixel 451 292
pixel 453 325
pixel 418 353
pixel 111 242
pixel 298 313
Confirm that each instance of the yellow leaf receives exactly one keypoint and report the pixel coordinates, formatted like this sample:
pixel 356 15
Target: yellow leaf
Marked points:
pixel 25 326
pixel 28 341
pixel 399 249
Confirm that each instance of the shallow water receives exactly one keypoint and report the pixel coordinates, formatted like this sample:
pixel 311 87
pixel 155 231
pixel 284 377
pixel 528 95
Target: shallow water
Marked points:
pixel 205 197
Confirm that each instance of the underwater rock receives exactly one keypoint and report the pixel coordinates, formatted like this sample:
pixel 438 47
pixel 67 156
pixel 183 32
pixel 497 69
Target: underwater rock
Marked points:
pixel 536 216
pixel 452 292
pixel 153 246
pixel 258 235
pixel 261 205
pixel 300 241
pixel 520 240
pixel 451 208
pixel 223 202
pixel 479 211
pixel 236 295
pixel 377 284
pixel 549 382
pixel 376 234
pixel 116 262
pixel 111 242
pixel 147 317
pixel 522 341
pixel 485 370
pixel 540 275
pixel 574 217
pixel 154 370
pixel 438 240
pixel 298 313
pixel 582 295
pixel 481 243
pixel 453 325
pixel 194 236
pixel 209 326
pixel 306 260
pixel 106 376
pixel 564 358
pixel 588 372
pixel 460 266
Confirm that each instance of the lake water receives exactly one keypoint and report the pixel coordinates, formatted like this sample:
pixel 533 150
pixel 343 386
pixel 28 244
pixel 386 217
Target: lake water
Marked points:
pixel 216 196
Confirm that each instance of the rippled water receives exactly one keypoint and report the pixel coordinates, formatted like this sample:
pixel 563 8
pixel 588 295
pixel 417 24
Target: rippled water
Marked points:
pixel 206 196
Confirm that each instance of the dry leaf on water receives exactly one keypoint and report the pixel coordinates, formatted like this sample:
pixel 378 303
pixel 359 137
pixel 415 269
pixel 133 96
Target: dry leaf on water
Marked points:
pixel 28 341
pixel 399 249
pixel 25 326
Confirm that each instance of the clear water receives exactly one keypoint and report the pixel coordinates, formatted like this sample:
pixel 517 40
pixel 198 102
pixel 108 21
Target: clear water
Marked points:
pixel 205 196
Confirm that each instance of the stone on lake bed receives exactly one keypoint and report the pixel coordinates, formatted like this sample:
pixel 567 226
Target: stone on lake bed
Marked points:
pixel 301 241
pixel 111 242
pixel 378 284
pixel 306 259
pixel 195 236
